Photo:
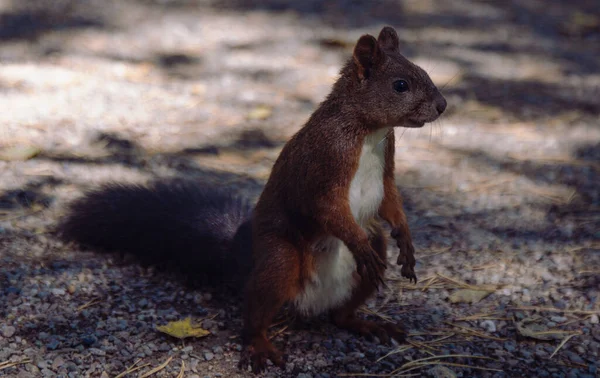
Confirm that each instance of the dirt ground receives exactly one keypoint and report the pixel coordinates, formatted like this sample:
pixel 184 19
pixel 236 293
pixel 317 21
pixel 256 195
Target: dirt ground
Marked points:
pixel 502 193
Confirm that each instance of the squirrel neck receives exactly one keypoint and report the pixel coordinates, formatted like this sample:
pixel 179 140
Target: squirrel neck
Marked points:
pixel 343 111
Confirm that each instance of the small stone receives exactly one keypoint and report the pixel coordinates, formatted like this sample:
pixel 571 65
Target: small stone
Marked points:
pixel 510 346
pixel 526 353
pixel 52 344
pixel 57 291
pixel 488 325
pixel 594 319
pixel 208 324
pixel 8 331
pixel 97 352
pixel 208 356
pixel 339 344
pixel 12 290
pixel 558 319
pixel 42 364
pixel 88 340
pixel 304 375
pixel 353 368
pixel 58 362
pixel 217 350
pixel 143 302
pixel 441 372
pixel 575 358
pixel 164 347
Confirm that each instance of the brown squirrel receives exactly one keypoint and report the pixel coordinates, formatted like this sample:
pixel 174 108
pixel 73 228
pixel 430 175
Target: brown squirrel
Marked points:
pixel 313 240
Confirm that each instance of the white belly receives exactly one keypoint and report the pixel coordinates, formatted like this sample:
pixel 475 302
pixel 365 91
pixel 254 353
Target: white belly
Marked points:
pixel 335 276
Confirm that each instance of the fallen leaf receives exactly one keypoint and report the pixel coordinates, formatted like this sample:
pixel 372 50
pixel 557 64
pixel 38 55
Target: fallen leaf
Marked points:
pixel 260 112
pixel 18 152
pixel 535 328
pixel 182 329
pixel 468 295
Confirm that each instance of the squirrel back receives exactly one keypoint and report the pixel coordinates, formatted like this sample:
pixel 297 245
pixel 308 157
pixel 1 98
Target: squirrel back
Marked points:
pixel 201 231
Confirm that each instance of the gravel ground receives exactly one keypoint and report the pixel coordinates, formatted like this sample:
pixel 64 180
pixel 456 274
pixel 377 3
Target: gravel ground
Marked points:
pixel 502 193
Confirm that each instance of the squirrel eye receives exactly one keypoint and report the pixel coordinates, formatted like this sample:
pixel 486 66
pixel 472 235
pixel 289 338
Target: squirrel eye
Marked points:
pixel 400 86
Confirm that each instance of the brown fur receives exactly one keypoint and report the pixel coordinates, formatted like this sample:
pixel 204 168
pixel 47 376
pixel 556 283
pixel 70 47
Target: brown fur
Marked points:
pixel 306 196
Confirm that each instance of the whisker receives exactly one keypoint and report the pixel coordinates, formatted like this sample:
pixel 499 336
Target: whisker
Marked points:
pixel 386 135
pixel 448 82
pixel 403 131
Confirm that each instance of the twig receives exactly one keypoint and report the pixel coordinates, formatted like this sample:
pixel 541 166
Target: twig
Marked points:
pixel 422 360
pixel 277 333
pixel 454 364
pixel 88 304
pixel 472 332
pixel 8 364
pixel 182 370
pixel 400 349
pixel 157 369
pixel 552 309
pixel 561 345
pixel 131 369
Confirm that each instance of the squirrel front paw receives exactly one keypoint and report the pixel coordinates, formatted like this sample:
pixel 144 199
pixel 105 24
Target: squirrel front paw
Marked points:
pixel 406 257
pixel 370 267
pixel 256 357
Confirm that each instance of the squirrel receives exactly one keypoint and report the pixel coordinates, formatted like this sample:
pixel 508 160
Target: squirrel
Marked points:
pixel 315 238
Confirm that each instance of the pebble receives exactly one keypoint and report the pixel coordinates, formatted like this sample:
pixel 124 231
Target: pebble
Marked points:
pixel 574 357
pixel 510 346
pixel 353 368
pixel 58 362
pixel 488 325
pixel 97 352
pixel 8 331
pixel 441 372
pixel 594 319
pixel 58 291
pixel 208 356
pixel 558 319
pixel 88 340
pixel 52 344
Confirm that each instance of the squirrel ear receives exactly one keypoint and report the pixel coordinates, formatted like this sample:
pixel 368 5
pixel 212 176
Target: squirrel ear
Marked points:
pixel 388 39
pixel 366 55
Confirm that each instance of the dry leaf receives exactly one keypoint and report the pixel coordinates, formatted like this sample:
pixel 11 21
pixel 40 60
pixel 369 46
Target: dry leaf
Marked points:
pixel 535 328
pixel 260 112
pixel 182 329
pixel 468 295
pixel 18 152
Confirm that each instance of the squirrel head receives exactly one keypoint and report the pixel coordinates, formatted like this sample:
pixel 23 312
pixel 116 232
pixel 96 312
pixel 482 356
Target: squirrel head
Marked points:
pixel 392 90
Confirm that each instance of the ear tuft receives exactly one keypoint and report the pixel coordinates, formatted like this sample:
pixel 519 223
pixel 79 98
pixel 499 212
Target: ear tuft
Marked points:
pixel 388 39
pixel 366 55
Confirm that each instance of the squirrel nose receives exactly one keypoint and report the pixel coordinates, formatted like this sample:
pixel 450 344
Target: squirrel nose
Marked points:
pixel 440 104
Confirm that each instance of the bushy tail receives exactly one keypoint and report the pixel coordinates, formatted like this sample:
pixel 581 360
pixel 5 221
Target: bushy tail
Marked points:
pixel 201 231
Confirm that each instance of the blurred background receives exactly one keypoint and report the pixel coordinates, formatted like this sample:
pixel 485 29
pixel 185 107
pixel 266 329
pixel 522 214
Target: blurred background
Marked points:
pixel 503 190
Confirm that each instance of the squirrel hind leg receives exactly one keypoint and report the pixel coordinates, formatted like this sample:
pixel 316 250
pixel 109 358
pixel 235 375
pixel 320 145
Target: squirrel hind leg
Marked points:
pixel 274 281
pixel 345 316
